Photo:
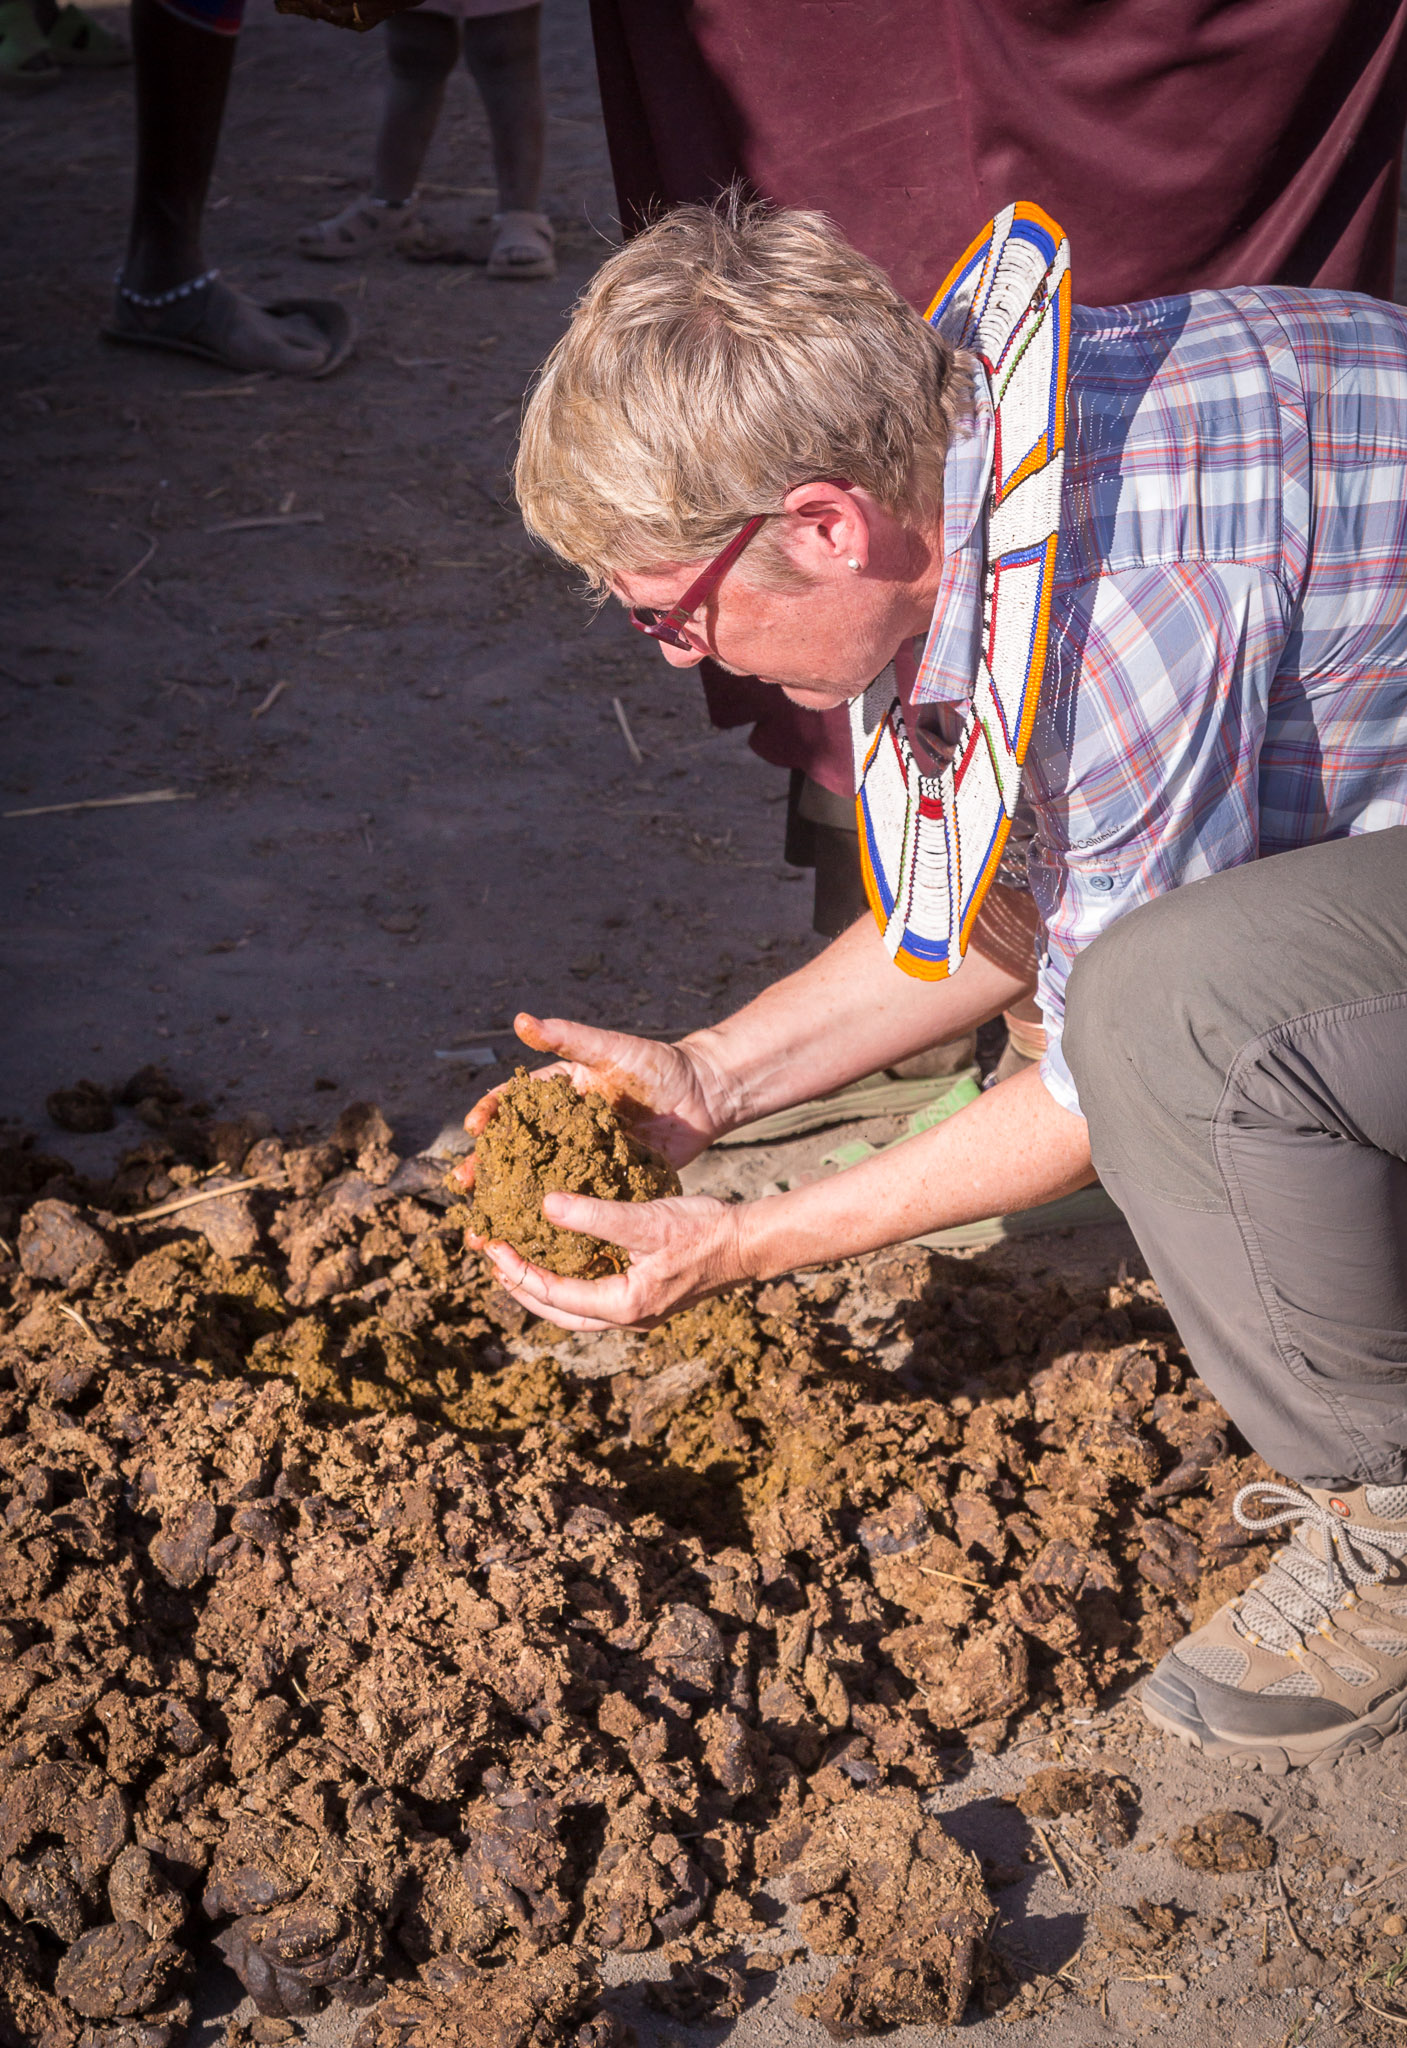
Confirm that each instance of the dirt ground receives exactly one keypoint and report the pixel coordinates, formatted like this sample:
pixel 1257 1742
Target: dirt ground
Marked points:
pixel 406 807
pixel 438 820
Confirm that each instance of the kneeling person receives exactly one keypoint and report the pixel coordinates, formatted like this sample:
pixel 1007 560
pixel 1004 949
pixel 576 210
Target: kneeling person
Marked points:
pixel 1119 600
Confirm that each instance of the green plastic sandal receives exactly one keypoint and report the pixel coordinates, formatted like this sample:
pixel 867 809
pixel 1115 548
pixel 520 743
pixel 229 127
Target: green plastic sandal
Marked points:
pixel 26 64
pixel 82 43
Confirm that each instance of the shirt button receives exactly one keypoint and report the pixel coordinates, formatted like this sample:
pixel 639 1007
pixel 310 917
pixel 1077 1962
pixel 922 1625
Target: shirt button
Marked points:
pixel 1101 881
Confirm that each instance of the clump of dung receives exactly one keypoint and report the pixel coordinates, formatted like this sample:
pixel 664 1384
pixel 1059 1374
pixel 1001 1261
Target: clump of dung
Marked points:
pixel 544 1138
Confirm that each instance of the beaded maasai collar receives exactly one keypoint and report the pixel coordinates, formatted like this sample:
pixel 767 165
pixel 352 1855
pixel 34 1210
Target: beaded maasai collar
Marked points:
pixel 931 844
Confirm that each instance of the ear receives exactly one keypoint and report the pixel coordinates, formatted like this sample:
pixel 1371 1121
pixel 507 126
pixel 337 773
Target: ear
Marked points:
pixel 830 526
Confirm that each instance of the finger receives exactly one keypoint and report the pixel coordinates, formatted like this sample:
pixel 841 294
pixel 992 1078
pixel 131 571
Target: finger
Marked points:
pixel 584 1044
pixel 462 1174
pixel 530 1030
pixel 602 1302
pixel 558 1318
pixel 622 1223
pixel 477 1120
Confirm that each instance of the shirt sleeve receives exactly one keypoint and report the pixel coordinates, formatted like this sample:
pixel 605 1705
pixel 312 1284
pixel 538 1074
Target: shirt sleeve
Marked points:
pixel 1143 768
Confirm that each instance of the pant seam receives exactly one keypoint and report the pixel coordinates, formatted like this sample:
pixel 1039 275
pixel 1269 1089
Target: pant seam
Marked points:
pixel 1209 1207
pixel 1292 1358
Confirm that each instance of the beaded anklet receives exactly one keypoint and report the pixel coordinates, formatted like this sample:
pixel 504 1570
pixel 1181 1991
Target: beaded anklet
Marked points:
pixel 151 302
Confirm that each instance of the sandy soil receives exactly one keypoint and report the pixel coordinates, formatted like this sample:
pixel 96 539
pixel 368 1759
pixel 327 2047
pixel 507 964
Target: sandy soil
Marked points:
pixel 435 820
pixel 438 819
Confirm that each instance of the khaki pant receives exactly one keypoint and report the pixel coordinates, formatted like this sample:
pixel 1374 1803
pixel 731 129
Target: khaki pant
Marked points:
pixel 1240 1048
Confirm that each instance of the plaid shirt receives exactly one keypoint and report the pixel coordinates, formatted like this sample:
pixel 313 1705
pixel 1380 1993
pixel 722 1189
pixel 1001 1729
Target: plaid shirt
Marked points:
pixel 1227 671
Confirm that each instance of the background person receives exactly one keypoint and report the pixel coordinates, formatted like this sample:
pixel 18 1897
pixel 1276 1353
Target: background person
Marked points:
pixel 1226 679
pixel 167 296
pixel 501 49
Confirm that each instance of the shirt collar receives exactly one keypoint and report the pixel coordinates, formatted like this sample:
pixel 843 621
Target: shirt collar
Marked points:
pixel 947 670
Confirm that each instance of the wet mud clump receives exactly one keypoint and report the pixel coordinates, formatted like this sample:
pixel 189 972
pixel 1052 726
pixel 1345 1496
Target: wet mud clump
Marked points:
pixel 547 2003
pixel 881 1877
pixel 414 1653
pixel 1105 1806
pixel 1224 1841
pixel 544 1138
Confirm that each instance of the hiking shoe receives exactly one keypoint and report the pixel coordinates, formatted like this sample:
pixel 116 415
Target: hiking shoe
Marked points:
pixel 1309 1664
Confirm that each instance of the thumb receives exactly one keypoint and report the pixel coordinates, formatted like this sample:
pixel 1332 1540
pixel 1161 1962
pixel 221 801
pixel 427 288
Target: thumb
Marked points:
pixel 621 1223
pixel 586 1044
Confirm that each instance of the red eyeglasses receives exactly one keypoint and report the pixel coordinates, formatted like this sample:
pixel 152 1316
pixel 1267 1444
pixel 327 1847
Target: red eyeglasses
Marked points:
pixel 665 625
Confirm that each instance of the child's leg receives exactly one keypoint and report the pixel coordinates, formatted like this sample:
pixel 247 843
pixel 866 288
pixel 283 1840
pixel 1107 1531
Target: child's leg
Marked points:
pixel 421 48
pixel 501 51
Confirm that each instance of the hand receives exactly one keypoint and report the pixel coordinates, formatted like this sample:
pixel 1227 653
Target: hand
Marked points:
pixel 356 14
pixel 664 1094
pixel 680 1250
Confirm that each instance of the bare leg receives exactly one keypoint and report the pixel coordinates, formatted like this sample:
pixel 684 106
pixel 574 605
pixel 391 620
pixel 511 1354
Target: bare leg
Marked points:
pixel 165 297
pixel 501 51
pixel 421 48
pixel 182 78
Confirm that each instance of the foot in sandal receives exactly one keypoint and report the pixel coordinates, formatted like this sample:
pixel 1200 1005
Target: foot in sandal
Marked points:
pixel 523 246
pixel 206 319
pixel 447 236
pixel 365 225
pixel 80 42
pixel 26 61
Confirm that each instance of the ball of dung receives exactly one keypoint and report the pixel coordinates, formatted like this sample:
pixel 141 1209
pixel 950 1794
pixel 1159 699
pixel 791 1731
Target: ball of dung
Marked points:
pixel 544 1138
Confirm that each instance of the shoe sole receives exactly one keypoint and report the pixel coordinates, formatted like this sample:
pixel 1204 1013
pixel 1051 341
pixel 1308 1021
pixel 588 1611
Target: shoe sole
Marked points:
pixel 1163 1705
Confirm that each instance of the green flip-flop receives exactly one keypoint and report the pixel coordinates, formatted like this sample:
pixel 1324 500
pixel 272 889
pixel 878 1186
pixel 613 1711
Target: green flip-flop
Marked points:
pixel 80 42
pixel 26 62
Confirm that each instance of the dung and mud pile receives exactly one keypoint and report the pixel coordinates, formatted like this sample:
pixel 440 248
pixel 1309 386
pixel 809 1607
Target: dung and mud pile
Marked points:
pixel 544 1138
pixel 345 1625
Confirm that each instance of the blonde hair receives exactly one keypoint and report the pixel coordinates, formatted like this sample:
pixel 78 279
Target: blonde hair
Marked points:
pixel 724 356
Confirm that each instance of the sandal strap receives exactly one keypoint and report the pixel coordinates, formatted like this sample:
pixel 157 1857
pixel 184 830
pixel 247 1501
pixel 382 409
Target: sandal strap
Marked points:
pixel 536 223
pixel 365 218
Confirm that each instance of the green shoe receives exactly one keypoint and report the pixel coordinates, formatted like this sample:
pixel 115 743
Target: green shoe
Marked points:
pixel 26 64
pixel 82 43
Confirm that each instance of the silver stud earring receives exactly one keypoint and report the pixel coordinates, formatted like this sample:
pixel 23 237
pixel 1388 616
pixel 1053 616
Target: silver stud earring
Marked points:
pixel 853 563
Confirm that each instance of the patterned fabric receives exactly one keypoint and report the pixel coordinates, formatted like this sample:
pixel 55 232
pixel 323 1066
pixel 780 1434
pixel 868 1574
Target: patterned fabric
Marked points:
pixel 1226 674
pixel 931 844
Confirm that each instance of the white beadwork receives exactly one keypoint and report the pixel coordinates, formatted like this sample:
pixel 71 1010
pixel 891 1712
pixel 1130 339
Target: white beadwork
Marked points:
pixel 151 302
pixel 931 844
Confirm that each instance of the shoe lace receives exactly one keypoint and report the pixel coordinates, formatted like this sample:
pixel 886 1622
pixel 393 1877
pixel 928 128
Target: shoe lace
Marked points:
pixel 1300 1590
